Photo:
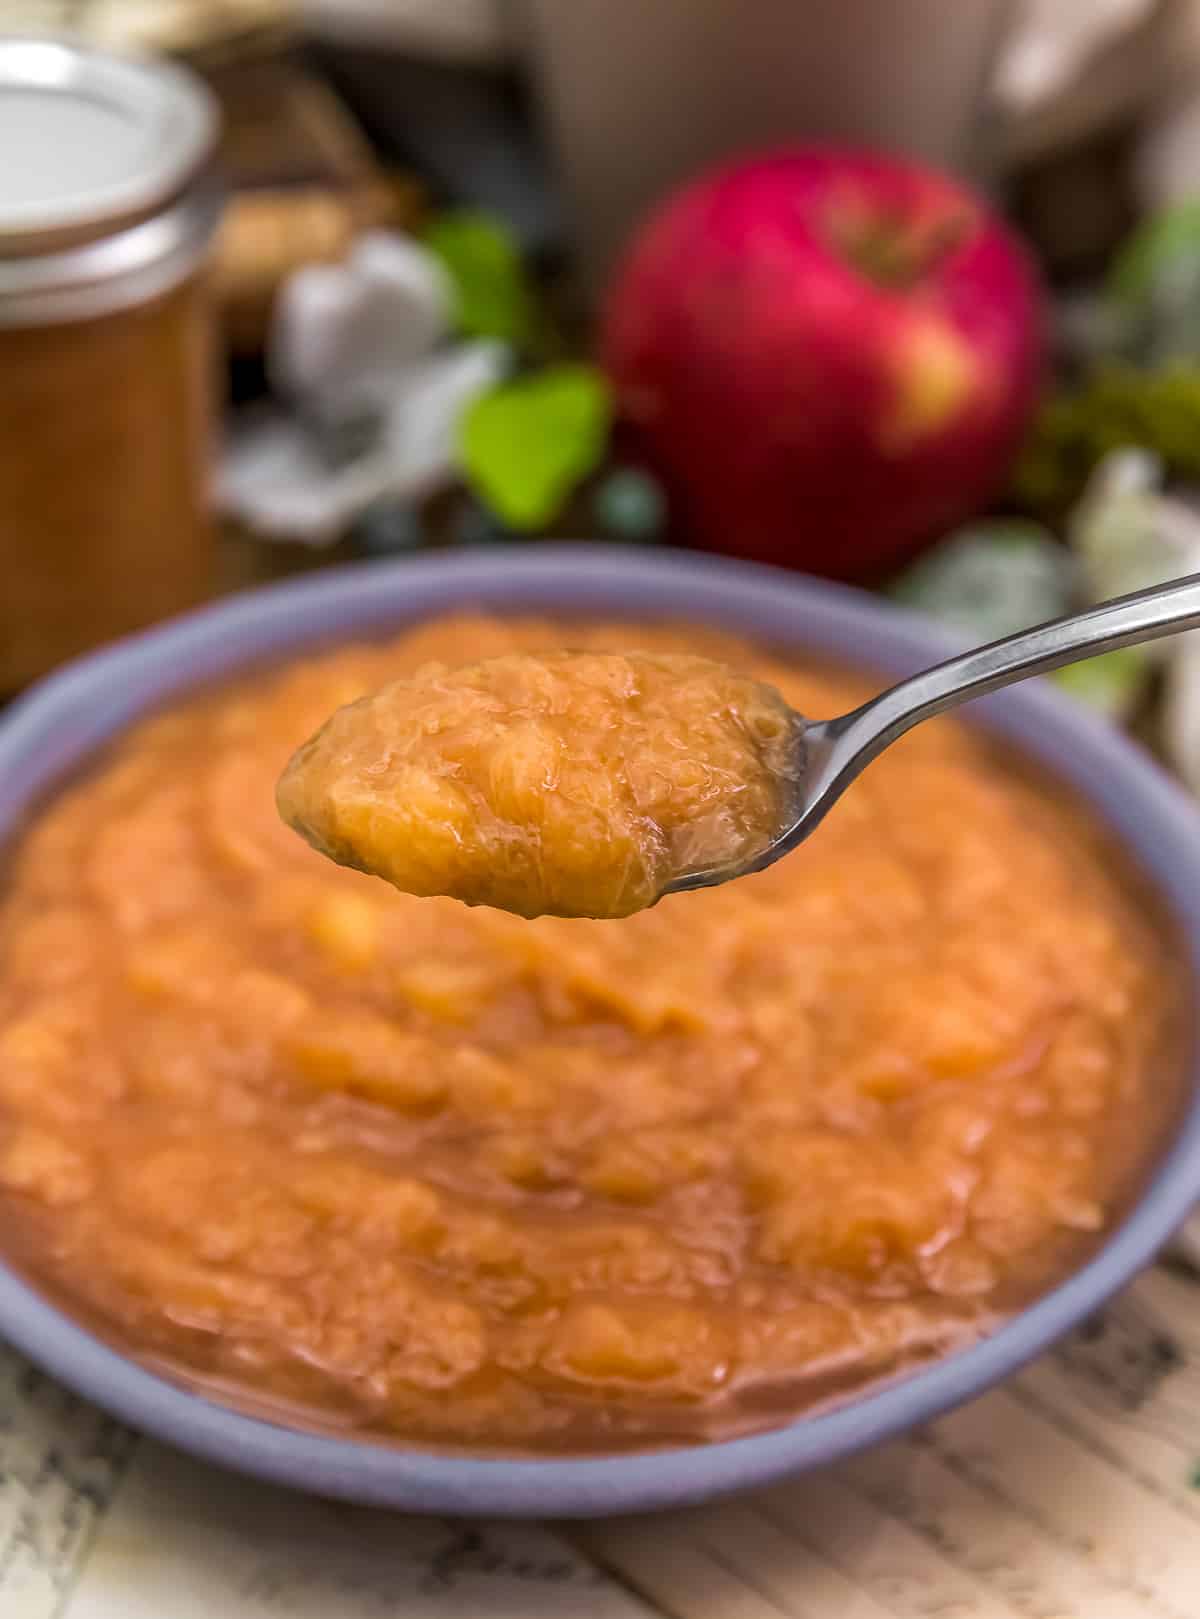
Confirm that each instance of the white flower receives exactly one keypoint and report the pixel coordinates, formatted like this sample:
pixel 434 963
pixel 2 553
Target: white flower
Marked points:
pixel 276 480
pixel 373 397
pixel 350 329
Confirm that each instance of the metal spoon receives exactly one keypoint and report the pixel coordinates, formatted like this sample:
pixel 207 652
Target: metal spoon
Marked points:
pixel 834 752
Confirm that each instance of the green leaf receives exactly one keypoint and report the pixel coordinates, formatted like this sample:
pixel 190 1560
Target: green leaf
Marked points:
pixel 1153 289
pixel 527 444
pixel 1168 236
pixel 483 260
pixel 1110 683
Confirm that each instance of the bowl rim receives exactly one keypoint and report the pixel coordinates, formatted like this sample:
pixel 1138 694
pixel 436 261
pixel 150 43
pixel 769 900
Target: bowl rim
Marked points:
pixel 69 715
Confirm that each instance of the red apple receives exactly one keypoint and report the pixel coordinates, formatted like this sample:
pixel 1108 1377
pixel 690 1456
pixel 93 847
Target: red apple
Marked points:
pixel 829 357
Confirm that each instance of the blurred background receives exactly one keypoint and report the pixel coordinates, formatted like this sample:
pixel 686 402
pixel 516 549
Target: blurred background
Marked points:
pixel 332 280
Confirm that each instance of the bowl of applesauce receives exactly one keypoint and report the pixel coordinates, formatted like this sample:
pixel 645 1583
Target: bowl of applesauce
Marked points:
pixel 433 1206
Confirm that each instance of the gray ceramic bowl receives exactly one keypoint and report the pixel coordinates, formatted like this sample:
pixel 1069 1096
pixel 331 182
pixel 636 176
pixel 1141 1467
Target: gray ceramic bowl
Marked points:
pixel 55 728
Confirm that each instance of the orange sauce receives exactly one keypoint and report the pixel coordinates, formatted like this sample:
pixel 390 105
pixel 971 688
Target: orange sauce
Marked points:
pixel 454 1177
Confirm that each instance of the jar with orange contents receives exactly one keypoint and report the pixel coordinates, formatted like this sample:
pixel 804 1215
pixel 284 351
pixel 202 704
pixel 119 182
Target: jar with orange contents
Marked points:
pixel 106 376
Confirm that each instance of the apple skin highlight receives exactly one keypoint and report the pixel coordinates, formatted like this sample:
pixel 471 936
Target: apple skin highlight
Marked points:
pixel 829 357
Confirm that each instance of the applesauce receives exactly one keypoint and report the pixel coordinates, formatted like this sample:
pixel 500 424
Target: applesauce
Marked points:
pixel 561 784
pixel 392 1165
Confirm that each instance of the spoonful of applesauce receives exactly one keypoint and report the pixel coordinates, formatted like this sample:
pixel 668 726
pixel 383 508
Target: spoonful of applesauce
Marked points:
pixel 593 784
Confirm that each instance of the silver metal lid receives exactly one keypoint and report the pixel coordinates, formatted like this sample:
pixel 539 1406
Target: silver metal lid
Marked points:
pixel 92 141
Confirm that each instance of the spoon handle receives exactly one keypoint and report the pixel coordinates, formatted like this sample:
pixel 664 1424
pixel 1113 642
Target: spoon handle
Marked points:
pixel 841 748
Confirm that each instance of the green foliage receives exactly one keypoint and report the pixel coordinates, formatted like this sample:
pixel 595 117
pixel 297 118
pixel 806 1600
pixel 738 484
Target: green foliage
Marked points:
pixel 1153 289
pixel 492 294
pixel 526 445
pixel 1111 683
pixel 1119 407
pixel 1163 241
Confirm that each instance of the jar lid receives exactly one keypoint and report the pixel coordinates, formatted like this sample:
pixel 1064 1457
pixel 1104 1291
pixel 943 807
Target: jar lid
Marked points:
pixel 99 140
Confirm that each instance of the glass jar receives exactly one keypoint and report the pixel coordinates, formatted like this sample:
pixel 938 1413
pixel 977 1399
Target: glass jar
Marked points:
pixel 107 391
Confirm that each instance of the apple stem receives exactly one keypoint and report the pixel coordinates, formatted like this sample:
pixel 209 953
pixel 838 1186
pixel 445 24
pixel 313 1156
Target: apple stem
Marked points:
pixel 898 252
